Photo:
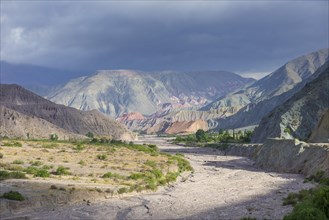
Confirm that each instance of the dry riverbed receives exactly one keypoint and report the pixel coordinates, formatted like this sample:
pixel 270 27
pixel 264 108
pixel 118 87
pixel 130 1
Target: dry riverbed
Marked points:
pixel 222 187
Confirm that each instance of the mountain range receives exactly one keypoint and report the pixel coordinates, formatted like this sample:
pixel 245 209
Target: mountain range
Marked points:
pixel 244 107
pixel 116 92
pixel 182 102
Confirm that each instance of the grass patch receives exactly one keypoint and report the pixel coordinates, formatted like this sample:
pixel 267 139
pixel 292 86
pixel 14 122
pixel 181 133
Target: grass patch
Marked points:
pixel 82 163
pixel 151 163
pixel 79 147
pixel 18 162
pixel 113 175
pixel 49 145
pixel 11 175
pixel 13 195
pixel 102 156
pixel 62 171
pixel 123 190
pixel 12 144
pixel 310 204
pixel 36 163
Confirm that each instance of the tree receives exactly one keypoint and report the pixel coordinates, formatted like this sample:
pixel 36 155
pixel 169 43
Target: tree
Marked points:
pixel 54 137
pixel 90 135
pixel 200 134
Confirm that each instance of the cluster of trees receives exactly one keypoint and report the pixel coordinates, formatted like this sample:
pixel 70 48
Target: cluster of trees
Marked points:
pixel 221 136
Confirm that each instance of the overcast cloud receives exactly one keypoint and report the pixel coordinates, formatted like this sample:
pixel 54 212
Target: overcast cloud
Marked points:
pixel 240 36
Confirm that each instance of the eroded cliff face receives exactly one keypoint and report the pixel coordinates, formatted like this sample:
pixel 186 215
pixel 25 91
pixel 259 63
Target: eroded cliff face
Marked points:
pixel 293 157
pixel 290 156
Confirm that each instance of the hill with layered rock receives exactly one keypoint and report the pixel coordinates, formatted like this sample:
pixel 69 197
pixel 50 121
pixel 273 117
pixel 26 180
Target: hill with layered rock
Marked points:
pixel 249 105
pixel 116 92
pixel 303 116
pixel 24 112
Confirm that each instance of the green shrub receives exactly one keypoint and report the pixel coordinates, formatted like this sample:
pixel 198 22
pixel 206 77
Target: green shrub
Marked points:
pixel 1 155
pixel 90 135
pixel 42 173
pixel 62 171
pixel 79 147
pixel 171 176
pixel 101 156
pixel 12 144
pixel 150 163
pixel 113 175
pixel 11 175
pixel 123 190
pixel 305 212
pixel 47 167
pixel 82 163
pixel 18 162
pixel 53 137
pixel 36 163
pixel 31 170
pixel 13 195
pixel 287 130
pixel 136 176
pixel 291 199
pixel 311 204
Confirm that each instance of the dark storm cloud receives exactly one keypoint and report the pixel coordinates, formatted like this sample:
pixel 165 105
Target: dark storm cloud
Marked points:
pixel 243 36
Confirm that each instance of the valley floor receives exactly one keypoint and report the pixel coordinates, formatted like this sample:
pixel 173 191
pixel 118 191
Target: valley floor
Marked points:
pixel 222 187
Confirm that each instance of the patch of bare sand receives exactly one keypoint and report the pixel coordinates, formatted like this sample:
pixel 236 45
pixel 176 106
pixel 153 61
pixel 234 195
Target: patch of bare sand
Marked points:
pixel 222 187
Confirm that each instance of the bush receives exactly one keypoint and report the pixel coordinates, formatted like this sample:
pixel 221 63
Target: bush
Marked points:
pixel 171 176
pixel 200 135
pixel 18 162
pixel 36 163
pixel 62 171
pixel 136 176
pixel 1 155
pixel 150 163
pixel 42 173
pixel 90 135
pixel 31 170
pixel 79 147
pixel 101 157
pixel 12 144
pixel 311 204
pixel 11 175
pixel 53 137
pixel 113 175
pixel 123 190
pixel 13 195
pixel 305 212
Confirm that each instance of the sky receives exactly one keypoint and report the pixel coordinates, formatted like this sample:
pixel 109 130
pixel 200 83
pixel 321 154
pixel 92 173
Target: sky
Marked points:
pixel 251 38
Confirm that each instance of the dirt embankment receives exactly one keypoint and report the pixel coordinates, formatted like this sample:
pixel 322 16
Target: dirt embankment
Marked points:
pixel 281 155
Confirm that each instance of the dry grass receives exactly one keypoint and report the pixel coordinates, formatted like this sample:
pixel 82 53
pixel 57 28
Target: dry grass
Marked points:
pixel 89 162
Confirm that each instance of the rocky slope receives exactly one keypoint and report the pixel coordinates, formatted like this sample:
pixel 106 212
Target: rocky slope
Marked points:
pixel 249 105
pixel 280 81
pixel 15 124
pixel 116 92
pixel 28 104
pixel 302 114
